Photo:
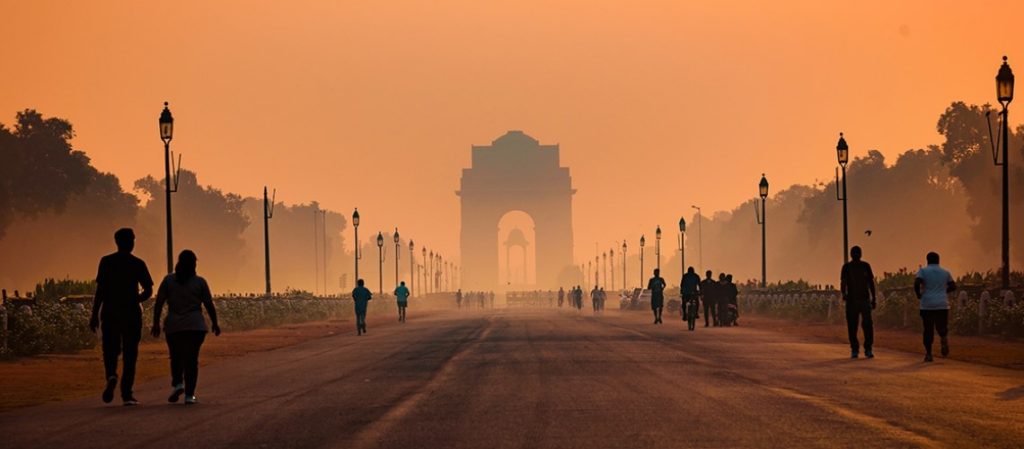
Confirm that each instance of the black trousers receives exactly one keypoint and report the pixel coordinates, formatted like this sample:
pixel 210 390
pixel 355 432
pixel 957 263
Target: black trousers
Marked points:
pixel 859 311
pixel 711 311
pixel 184 348
pixel 934 320
pixel 121 336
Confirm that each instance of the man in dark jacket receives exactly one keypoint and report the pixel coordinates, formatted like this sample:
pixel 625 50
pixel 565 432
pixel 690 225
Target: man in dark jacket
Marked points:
pixel 117 311
pixel 857 284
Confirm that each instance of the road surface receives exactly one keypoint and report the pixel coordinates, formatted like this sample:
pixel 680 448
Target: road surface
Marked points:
pixel 553 379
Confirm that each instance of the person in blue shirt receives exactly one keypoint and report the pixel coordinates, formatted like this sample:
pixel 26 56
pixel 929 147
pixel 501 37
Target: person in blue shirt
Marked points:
pixel 402 295
pixel 932 286
pixel 361 297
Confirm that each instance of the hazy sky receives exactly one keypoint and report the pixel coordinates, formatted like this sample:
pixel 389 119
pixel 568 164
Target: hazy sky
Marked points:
pixel 375 104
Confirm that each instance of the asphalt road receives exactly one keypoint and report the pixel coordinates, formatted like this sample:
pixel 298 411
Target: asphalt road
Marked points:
pixel 553 379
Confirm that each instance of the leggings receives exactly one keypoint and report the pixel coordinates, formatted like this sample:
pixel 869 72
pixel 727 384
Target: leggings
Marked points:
pixel 934 320
pixel 184 348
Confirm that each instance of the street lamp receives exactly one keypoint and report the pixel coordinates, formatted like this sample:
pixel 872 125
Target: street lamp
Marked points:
pixel 623 264
pixel 604 268
pixel 843 155
pixel 657 246
pixel 412 269
pixel 426 286
pixel 380 266
pixel 430 273
pixel 166 134
pixel 268 213
pixel 643 241
pixel 397 256
pixel 611 265
pixel 763 191
pixel 700 239
pixel 682 244
pixel 1004 92
pixel 355 226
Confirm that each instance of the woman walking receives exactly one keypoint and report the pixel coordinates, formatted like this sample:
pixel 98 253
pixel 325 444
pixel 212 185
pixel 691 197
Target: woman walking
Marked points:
pixel 185 293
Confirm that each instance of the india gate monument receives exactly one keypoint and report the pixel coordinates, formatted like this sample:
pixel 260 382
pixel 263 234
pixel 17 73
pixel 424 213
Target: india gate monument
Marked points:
pixel 516 173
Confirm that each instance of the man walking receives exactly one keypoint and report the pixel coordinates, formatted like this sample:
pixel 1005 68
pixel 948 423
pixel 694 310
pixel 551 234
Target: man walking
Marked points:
pixel 402 295
pixel 689 288
pixel 561 297
pixel 595 298
pixel 857 284
pixel 932 286
pixel 361 298
pixel 117 311
pixel 709 296
pixel 657 287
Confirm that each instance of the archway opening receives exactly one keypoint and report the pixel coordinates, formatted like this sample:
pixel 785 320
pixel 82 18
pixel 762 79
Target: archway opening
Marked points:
pixel 517 258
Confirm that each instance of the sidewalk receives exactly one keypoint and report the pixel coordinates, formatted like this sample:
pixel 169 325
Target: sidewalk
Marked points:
pixel 991 351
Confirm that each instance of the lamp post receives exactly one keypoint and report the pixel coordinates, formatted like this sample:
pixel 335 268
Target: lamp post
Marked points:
pixel 430 274
pixel 380 265
pixel 398 253
pixel 643 241
pixel 268 213
pixel 763 191
pixel 355 226
pixel 682 245
pixel 611 265
pixel 323 240
pixel 623 264
pixel 1004 92
pixel 843 155
pixel 657 246
pixel 423 267
pixel 700 239
pixel 166 134
pixel 412 269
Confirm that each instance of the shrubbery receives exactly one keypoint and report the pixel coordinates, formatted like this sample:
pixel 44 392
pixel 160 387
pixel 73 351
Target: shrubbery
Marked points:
pixel 46 324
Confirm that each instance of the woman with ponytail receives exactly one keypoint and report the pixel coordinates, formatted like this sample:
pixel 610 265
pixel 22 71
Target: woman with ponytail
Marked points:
pixel 185 294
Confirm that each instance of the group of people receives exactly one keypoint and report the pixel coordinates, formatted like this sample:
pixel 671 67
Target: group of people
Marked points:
pixel 720 298
pixel 469 299
pixel 598 297
pixel 932 286
pixel 123 284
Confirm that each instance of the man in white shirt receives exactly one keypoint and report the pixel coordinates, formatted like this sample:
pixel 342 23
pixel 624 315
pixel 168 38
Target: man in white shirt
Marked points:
pixel 932 286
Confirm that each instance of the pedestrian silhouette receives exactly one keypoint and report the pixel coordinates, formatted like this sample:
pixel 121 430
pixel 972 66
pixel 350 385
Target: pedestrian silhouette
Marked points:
pixel 857 285
pixel 117 312
pixel 709 295
pixel 185 294
pixel 361 297
pixel 657 287
pixel 932 285
pixel 402 295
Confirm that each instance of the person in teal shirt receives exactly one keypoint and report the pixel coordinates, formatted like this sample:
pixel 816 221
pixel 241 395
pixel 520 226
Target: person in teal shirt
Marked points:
pixel 402 294
pixel 361 297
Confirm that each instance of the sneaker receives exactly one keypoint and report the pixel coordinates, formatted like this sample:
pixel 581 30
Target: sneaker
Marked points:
pixel 928 357
pixel 191 400
pixel 869 354
pixel 945 347
pixel 854 354
pixel 130 401
pixel 108 392
pixel 176 393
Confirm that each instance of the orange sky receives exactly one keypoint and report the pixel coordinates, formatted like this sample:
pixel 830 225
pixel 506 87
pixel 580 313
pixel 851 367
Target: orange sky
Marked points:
pixel 657 105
